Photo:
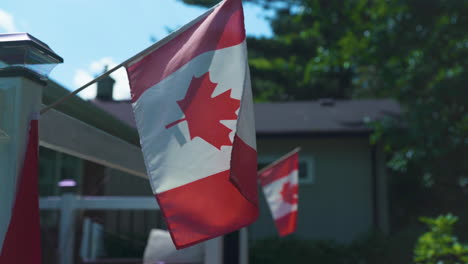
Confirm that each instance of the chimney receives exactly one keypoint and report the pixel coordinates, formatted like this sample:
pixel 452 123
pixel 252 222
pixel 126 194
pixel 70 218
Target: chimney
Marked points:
pixel 105 88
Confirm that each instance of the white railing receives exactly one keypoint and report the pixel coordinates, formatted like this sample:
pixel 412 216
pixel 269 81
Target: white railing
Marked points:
pixel 68 203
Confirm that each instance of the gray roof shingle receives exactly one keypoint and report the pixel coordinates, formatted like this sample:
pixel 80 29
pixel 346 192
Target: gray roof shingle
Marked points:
pixel 323 116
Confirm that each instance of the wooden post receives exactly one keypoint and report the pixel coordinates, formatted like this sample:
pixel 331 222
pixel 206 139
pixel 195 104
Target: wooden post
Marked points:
pixel 24 63
pixel 67 228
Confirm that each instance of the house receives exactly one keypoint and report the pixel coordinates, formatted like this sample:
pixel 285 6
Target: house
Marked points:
pixel 342 180
pixel 343 185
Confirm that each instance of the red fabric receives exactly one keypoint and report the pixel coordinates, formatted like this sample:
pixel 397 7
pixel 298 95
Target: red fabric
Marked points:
pixel 280 170
pixel 22 242
pixel 286 224
pixel 205 209
pixel 222 28
pixel 244 169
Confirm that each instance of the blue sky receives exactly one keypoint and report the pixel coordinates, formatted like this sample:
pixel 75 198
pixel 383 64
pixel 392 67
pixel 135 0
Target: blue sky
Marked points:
pixel 90 34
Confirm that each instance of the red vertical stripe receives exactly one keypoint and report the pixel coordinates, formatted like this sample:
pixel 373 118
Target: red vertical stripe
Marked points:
pixel 22 242
pixel 286 224
pixel 244 169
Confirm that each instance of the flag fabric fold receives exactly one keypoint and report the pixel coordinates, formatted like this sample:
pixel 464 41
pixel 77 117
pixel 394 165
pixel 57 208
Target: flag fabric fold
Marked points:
pixel 22 242
pixel 280 186
pixel 193 108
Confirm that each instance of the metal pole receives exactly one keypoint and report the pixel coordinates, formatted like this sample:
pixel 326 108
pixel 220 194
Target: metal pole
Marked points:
pixel 280 159
pixel 214 251
pixel 244 246
pixel 68 96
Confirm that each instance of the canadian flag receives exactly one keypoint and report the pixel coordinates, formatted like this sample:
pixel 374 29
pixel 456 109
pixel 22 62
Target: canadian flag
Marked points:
pixel 22 241
pixel 280 186
pixel 193 107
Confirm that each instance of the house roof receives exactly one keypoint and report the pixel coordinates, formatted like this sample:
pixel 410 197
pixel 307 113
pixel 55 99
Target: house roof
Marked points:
pixel 120 109
pixel 322 116
pixel 90 113
pixel 309 117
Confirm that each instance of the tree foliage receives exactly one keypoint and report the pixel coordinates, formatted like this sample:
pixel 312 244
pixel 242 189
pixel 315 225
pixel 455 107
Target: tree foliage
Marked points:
pixel 414 51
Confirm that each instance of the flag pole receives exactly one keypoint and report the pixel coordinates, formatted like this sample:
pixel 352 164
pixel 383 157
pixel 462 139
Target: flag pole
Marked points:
pixel 131 60
pixel 279 160
pixel 105 74
pixel 66 97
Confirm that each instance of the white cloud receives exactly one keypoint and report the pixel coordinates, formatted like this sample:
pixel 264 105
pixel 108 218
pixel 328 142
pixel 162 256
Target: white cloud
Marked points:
pixel 95 68
pixel 82 77
pixel 7 23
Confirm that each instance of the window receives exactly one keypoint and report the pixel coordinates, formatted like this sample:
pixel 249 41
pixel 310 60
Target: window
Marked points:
pixel 306 166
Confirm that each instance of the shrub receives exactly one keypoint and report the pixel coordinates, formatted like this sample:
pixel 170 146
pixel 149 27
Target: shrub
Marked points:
pixel 439 245
pixel 370 249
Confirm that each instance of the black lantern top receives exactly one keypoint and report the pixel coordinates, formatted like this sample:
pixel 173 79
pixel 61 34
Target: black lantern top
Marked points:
pixel 24 50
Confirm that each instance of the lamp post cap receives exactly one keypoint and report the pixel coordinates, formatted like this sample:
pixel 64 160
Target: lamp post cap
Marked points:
pixel 10 40
pixel 26 51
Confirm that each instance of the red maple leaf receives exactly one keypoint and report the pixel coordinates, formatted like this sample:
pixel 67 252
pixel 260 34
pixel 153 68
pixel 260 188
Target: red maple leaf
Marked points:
pixel 203 113
pixel 289 193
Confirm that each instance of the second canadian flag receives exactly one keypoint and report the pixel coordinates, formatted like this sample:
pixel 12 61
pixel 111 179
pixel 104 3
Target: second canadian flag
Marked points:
pixel 280 185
